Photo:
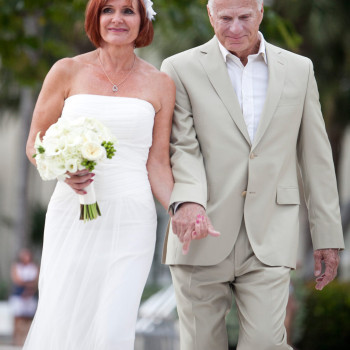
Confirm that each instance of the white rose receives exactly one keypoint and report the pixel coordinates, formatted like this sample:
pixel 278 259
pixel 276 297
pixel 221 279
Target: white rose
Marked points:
pixel 93 151
pixel 57 129
pixel 43 171
pixel 57 164
pixel 62 177
pixel 77 122
pixel 73 139
pixel 97 128
pixel 54 146
pixel 90 136
pixel 71 152
pixel 50 168
pixel 71 165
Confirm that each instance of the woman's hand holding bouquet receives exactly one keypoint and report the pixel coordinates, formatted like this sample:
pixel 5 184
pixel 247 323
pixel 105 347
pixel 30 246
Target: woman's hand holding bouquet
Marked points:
pixel 68 148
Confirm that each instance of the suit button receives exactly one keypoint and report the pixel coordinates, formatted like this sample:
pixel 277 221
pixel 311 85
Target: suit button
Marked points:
pixel 244 193
pixel 252 155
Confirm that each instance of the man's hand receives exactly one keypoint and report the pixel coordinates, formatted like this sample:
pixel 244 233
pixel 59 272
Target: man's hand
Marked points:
pixel 190 222
pixel 330 257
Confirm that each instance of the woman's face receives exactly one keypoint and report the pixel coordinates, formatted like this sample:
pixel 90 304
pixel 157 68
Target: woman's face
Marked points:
pixel 120 22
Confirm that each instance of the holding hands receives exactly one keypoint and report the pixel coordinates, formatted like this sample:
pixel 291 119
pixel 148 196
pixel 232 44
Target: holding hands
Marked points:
pixel 191 222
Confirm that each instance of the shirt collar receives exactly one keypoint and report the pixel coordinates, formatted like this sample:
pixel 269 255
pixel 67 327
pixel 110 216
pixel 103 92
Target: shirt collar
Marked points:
pixel 262 49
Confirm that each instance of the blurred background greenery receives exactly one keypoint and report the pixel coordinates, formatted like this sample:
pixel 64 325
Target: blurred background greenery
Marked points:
pixel 36 33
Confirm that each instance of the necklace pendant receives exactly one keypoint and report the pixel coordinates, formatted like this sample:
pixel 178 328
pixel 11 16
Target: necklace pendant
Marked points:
pixel 115 88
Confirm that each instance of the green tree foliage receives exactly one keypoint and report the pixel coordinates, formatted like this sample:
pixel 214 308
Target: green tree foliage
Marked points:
pixel 317 29
pixel 34 34
pixel 327 318
pixel 324 27
pixel 182 24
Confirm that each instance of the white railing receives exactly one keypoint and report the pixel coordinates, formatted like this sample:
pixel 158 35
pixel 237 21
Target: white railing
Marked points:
pixel 157 324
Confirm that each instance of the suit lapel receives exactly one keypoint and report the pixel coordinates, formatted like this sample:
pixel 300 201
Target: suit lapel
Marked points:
pixel 215 67
pixel 277 74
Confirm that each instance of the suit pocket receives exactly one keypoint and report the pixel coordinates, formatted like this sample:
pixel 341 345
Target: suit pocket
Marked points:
pixel 289 102
pixel 288 195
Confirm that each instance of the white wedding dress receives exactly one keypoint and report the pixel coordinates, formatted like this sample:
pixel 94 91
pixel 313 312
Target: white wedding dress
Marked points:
pixel 93 274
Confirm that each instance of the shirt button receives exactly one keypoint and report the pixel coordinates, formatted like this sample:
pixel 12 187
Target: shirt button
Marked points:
pixel 252 155
pixel 244 193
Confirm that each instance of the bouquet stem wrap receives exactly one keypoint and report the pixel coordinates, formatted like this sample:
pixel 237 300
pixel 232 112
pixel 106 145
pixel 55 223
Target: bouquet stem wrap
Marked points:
pixel 89 209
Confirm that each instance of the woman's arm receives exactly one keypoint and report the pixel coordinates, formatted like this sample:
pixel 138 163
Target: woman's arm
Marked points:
pixel 158 164
pixel 48 109
pixel 50 102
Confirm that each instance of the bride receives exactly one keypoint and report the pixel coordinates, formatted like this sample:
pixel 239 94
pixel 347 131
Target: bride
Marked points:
pixel 93 274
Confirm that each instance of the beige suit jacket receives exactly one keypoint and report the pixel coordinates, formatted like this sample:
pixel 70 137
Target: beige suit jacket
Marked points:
pixel 215 164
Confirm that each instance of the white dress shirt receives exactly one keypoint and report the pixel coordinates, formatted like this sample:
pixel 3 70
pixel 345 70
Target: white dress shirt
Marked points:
pixel 250 83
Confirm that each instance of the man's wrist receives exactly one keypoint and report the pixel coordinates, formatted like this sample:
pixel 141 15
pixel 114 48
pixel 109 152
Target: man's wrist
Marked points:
pixel 176 206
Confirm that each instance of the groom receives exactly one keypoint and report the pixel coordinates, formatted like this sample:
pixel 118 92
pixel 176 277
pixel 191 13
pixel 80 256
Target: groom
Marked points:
pixel 247 119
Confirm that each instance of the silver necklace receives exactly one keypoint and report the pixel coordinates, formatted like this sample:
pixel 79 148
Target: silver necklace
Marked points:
pixel 115 87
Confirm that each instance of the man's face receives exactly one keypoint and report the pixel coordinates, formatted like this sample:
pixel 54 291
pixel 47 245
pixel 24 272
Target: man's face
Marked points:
pixel 236 24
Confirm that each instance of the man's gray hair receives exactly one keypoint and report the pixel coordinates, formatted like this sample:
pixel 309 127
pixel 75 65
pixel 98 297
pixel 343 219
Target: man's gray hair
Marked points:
pixel 211 4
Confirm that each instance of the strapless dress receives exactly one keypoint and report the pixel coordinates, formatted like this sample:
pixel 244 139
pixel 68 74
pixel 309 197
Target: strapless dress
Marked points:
pixel 92 274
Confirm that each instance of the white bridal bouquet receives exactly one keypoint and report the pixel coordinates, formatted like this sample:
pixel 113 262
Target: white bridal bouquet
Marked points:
pixel 72 145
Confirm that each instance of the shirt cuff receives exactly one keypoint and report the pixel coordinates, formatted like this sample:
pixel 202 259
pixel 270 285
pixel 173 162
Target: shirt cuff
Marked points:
pixel 175 206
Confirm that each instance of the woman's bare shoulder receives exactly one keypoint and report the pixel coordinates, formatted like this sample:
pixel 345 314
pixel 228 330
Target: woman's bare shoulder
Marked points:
pixel 69 65
pixel 158 78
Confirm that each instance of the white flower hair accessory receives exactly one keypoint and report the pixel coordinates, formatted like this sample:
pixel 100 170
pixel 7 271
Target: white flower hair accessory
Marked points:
pixel 149 9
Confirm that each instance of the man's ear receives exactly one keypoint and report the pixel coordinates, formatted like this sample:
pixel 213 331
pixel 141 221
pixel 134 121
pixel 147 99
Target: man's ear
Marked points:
pixel 210 17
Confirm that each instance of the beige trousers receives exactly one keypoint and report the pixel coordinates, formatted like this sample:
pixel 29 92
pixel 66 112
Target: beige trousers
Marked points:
pixel 204 297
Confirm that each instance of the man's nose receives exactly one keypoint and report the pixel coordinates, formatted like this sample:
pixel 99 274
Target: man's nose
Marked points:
pixel 235 26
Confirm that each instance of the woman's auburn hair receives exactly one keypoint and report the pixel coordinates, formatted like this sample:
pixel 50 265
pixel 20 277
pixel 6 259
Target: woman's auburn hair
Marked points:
pixel 92 23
